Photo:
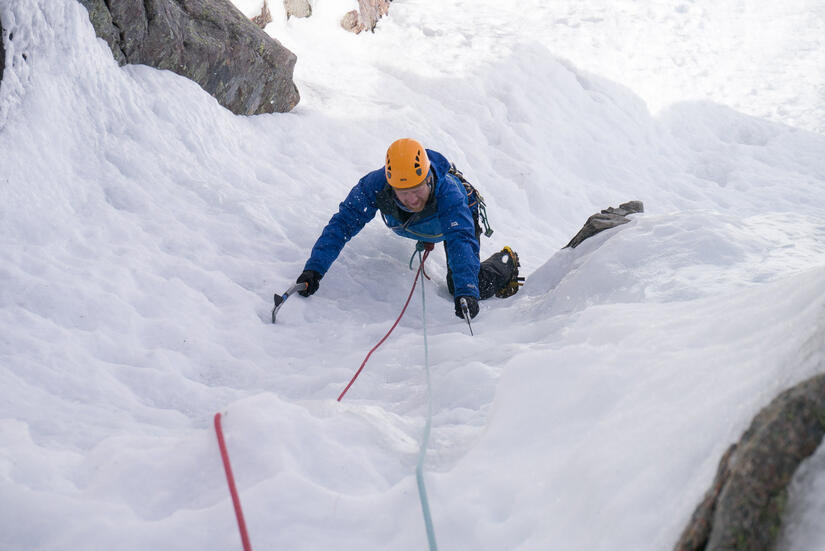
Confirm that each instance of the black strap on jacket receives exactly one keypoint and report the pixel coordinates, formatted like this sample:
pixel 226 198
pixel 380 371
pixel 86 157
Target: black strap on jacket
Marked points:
pixel 387 203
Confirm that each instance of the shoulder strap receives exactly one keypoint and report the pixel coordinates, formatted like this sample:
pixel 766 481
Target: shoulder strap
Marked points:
pixel 474 198
pixel 386 203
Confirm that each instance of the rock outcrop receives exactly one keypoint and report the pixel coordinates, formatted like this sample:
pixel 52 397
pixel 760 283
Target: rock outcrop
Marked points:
pixel 606 219
pixel 208 41
pixel 265 17
pixel 2 51
pixel 743 508
pixel 367 15
pixel 297 8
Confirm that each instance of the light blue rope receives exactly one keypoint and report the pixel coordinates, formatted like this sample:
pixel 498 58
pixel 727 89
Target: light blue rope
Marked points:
pixel 422 452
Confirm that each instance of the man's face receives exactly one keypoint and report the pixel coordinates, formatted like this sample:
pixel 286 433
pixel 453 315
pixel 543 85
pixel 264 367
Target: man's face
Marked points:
pixel 415 198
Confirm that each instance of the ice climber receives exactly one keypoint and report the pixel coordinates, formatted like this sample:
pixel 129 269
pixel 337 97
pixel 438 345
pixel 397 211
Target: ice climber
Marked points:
pixel 421 196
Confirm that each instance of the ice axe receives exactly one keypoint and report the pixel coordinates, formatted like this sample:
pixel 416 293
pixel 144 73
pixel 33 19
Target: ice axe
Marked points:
pixel 281 299
pixel 465 311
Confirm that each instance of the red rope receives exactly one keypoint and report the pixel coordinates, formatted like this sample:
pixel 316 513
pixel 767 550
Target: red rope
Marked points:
pixel 420 269
pixel 236 501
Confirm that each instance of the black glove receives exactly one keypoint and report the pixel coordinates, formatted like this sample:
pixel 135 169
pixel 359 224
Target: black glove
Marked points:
pixel 312 279
pixel 472 306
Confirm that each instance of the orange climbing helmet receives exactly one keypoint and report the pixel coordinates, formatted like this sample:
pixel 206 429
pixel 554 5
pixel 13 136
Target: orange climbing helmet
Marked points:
pixel 407 164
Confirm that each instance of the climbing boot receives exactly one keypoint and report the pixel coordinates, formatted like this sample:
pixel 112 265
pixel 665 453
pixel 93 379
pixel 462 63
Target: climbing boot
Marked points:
pixel 512 286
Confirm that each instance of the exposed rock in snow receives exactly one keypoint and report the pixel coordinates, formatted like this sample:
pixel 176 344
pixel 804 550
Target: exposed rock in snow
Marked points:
pixel 606 219
pixel 208 41
pixel 264 18
pixel 2 51
pixel 297 8
pixel 743 509
pixel 367 16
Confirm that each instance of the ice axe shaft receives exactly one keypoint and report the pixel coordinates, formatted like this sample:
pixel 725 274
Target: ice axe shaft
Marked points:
pixel 281 299
pixel 465 311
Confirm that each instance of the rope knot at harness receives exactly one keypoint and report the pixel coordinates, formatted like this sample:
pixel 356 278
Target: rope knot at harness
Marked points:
pixel 422 246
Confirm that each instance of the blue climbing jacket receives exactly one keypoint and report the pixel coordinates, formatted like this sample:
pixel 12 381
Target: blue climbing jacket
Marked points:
pixel 446 217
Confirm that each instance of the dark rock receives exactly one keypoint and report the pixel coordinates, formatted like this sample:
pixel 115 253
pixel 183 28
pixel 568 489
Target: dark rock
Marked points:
pixel 367 16
pixel 101 20
pixel 696 536
pixel 264 18
pixel 208 41
pixel 743 509
pixel 2 51
pixel 606 219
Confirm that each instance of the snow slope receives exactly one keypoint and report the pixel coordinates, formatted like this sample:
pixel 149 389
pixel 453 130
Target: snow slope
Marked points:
pixel 145 228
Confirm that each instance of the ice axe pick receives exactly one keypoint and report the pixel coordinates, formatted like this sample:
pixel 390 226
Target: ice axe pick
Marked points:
pixel 281 299
pixel 465 311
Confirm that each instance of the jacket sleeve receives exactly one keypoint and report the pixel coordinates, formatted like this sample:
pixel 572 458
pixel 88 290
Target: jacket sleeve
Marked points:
pixel 353 214
pixel 460 238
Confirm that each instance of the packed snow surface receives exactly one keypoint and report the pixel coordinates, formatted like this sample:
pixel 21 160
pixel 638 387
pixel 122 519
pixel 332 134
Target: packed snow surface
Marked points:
pixel 144 230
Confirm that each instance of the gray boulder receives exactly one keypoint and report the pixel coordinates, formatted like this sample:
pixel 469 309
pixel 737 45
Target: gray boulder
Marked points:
pixel 208 41
pixel 2 51
pixel 606 219
pixel 743 508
